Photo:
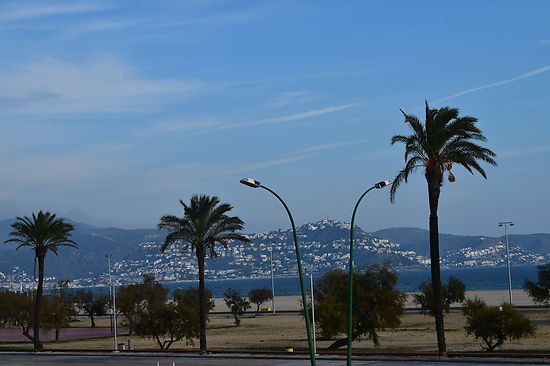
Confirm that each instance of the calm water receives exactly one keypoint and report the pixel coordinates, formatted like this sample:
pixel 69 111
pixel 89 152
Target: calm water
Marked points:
pixel 480 278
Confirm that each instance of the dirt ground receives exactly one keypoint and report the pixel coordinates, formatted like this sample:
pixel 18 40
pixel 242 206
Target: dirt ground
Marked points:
pixel 277 332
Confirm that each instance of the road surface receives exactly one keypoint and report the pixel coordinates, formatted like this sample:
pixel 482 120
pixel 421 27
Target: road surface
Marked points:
pixel 60 359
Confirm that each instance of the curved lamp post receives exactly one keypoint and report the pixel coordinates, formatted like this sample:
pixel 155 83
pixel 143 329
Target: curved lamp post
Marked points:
pixel 255 184
pixel 350 276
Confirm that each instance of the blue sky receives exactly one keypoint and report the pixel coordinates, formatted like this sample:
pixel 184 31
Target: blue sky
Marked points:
pixel 112 111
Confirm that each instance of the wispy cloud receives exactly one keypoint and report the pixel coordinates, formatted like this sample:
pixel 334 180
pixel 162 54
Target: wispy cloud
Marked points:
pixel 48 10
pixel 172 177
pixel 101 84
pixel 100 25
pixel 216 19
pixel 330 146
pixel 291 97
pixel 515 153
pixel 22 170
pixel 283 119
pixel 185 125
pixel 498 83
pixel 265 164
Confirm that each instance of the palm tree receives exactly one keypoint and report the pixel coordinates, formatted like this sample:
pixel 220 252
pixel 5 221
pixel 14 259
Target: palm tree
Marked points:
pixel 444 139
pixel 204 223
pixel 42 233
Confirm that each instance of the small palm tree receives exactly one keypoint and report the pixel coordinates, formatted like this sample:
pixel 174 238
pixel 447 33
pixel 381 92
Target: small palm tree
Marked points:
pixel 203 225
pixel 43 233
pixel 443 140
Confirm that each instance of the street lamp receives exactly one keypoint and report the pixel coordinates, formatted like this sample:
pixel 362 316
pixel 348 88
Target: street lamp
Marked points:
pixel 378 185
pixel 506 224
pixel 112 289
pixel 255 184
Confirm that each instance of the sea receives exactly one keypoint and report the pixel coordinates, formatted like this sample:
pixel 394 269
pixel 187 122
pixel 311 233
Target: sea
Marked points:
pixel 477 278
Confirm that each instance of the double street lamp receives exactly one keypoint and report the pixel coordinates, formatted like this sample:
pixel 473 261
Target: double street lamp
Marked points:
pixel 506 224
pixel 378 185
pixel 255 184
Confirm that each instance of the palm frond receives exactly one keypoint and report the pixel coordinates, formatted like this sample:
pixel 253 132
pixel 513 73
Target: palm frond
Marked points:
pixel 444 138
pixel 203 225
pixel 43 233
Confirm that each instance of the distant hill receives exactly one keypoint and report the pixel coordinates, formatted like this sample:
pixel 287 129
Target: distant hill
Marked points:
pixel 324 246
pixel 93 242
pixel 418 240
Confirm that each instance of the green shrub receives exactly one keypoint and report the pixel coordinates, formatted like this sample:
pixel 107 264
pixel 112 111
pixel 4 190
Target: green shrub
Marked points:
pixel 493 325
pixel 453 292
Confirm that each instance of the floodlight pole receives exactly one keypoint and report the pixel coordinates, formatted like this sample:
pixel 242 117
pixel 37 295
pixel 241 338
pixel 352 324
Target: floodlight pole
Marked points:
pixel 255 184
pixel 109 255
pixel 506 224
pixel 272 281
pixel 350 275
pixel 313 314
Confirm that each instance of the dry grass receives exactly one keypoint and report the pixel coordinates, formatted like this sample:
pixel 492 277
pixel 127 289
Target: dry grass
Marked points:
pixel 276 332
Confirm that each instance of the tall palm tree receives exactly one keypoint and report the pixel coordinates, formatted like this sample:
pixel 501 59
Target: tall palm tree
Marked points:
pixel 203 225
pixel 443 140
pixel 43 233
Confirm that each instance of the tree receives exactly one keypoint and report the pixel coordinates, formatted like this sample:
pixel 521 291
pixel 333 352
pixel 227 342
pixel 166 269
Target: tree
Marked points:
pixel 443 140
pixel 259 295
pixel 91 304
pixel 204 224
pixel 43 233
pixel 539 291
pixel 58 307
pixel 236 304
pixel 190 297
pixel 16 310
pixel 494 325
pixel 377 305
pixel 128 298
pixel 166 321
pixel 453 292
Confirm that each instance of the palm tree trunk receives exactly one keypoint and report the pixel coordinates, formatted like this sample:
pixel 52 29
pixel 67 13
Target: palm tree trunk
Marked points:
pixel 434 190
pixel 202 301
pixel 37 301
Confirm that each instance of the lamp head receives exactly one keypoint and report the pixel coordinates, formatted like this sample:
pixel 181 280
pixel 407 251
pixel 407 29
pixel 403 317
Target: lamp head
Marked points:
pixel 250 182
pixel 382 184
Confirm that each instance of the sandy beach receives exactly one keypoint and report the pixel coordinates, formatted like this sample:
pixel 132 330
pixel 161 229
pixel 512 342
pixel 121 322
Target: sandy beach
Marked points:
pixel 492 297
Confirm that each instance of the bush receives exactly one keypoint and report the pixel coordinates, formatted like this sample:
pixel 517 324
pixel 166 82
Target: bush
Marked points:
pixel 259 295
pixel 493 325
pixel 453 292
pixel 150 314
pixel 377 305
pixel 540 291
pixel 92 304
pixel 236 304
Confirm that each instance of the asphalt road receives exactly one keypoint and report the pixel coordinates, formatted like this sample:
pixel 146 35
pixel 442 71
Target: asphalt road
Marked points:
pixel 45 359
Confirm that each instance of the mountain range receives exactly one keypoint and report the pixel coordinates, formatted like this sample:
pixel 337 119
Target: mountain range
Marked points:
pixel 324 246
